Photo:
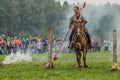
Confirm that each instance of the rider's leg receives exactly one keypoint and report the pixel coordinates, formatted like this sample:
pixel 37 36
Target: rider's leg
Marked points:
pixel 89 38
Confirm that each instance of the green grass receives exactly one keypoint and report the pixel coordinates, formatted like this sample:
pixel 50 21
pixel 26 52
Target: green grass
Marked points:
pixel 65 68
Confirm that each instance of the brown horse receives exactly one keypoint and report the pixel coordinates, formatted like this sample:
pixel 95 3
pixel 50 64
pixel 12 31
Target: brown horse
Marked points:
pixel 79 44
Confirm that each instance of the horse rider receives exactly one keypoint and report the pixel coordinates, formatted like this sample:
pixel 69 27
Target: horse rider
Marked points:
pixel 78 18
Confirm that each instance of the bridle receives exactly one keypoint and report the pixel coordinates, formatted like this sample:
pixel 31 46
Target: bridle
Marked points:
pixel 79 34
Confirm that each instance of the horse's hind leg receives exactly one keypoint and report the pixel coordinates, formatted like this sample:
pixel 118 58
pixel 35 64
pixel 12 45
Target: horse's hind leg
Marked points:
pixel 84 58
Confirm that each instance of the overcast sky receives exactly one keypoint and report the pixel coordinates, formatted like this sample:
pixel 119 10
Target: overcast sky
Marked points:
pixel 94 2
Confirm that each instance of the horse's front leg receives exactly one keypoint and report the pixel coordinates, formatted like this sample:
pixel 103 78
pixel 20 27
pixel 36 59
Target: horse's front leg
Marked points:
pixel 84 58
pixel 78 59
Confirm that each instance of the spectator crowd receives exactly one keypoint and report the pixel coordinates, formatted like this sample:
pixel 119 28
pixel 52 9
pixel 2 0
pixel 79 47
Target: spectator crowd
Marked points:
pixel 32 44
pixel 97 45
pixel 40 45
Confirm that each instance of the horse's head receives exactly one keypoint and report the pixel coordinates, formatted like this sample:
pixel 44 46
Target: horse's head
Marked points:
pixel 78 35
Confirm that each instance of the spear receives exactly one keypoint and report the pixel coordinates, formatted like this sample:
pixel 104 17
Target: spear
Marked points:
pixel 55 57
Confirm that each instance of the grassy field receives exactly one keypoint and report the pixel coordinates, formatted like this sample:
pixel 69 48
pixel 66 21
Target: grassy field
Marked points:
pixel 65 68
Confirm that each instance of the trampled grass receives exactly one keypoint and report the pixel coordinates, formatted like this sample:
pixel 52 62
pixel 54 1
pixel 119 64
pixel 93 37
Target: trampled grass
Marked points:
pixel 65 68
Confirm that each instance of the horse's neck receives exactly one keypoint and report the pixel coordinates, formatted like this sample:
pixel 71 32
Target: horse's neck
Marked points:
pixel 82 29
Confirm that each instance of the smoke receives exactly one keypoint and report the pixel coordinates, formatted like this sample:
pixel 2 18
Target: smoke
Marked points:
pixel 117 22
pixel 102 19
pixel 18 57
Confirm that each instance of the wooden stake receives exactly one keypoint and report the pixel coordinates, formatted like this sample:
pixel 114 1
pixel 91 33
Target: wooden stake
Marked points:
pixel 114 46
pixel 49 63
pixel 115 66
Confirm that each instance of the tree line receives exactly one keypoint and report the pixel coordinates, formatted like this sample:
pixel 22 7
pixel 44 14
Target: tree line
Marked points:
pixel 29 17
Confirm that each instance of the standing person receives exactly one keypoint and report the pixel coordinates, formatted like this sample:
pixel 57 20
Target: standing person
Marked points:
pixel 78 18
pixel 39 38
pixel 27 43
pixel 95 44
pixel 4 48
pixel 45 45
pixel 92 44
pixel 1 45
pixel 15 42
pixel 13 47
pixel 18 44
pixel 8 45
pixel 99 45
pixel 39 46
pixel 35 41
pixel 24 45
pixel 106 44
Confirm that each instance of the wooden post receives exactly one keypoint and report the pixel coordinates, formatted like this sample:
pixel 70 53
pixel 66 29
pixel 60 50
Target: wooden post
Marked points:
pixel 114 46
pixel 115 66
pixel 50 36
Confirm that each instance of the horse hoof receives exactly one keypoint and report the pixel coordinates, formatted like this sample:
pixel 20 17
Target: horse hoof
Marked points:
pixel 80 66
pixel 86 66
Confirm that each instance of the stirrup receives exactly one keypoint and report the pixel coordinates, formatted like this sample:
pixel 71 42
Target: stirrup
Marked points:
pixel 69 45
pixel 89 45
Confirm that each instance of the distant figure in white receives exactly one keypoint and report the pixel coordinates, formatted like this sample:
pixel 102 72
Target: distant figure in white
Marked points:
pixel 107 45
